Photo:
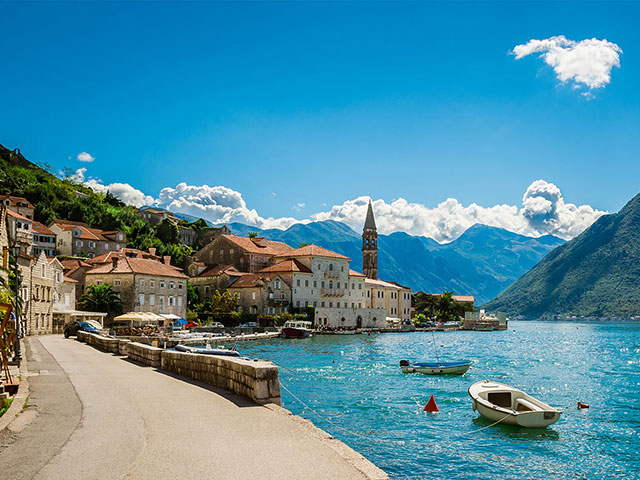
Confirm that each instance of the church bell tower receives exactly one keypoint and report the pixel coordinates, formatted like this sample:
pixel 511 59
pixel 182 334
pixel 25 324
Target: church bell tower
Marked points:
pixel 370 246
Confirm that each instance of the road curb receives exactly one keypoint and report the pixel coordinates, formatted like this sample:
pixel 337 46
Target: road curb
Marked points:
pixel 368 470
pixel 18 399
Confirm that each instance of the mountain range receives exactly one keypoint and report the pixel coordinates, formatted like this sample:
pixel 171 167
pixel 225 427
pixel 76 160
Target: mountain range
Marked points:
pixel 597 274
pixel 482 262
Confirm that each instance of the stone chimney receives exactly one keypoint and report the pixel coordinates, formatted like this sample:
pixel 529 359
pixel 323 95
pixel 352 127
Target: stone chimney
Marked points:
pixel 152 250
pixel 114 261
pixel 167 259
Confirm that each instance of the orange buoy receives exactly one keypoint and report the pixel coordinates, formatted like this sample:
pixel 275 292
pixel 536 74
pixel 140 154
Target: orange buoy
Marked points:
pixel 431 405
pixel 582 405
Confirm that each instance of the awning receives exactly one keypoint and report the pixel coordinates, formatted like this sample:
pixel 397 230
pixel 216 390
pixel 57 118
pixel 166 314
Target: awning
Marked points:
pixel 139 317
pixel 170 316
pixel 79 313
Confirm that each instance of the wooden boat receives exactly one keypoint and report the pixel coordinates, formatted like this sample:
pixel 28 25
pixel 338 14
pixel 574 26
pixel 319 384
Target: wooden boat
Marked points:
pixel 296 329
pixel 207 351
pixel 435 368
pixel 505 404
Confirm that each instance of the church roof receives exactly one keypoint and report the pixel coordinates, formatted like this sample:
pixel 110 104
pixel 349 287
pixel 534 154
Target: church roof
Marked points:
pixel 370 222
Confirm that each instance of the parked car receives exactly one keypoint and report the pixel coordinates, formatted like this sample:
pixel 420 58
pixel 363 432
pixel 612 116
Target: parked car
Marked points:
pixel 216 325
pixel 72 328
pixel 191 324
pixel 249 325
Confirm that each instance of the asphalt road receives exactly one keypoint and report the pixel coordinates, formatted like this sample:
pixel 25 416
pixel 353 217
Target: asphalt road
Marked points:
pixel 101 416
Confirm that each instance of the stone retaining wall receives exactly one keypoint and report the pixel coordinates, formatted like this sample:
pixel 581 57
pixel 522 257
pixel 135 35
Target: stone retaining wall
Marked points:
pixel 105 344
pixel 257 380
pixel 144 354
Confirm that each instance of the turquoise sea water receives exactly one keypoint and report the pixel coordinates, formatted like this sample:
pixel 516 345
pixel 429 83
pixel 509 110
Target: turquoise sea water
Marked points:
pixel 354 382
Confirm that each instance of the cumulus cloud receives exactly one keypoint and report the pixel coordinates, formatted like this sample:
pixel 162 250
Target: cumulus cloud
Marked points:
pixel 123 191
pixel 218 204
pixel 543 211
pixel 299 206
pixel 85 157
pixel 585 63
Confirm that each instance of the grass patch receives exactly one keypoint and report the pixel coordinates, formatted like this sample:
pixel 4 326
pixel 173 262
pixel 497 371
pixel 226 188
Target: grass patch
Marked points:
pixel 6 404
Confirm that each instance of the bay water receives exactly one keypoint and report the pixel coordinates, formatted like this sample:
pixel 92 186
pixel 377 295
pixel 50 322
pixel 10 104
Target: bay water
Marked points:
pixel 353 388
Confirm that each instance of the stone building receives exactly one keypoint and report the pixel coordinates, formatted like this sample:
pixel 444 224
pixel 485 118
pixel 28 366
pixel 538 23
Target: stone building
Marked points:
pixel 4 244
pixel 44 240
pixel 38 290
pixel 20 231
pixel 20 205
pixel 78 239
pixel 393 297
pixel 144 284
pixel 262 293
pixel 76 269
pixel 153 216
pixel 206 280
pixel 246 254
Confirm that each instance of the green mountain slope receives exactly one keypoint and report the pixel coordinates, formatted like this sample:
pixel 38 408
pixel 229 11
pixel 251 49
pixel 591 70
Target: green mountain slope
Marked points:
pixel 597 274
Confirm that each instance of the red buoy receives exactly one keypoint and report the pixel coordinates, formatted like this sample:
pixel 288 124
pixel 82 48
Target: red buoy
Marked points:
pixel 582 405
pixel 431 406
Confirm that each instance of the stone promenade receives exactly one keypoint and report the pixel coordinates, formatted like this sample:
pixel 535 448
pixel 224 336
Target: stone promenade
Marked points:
pixel 93 415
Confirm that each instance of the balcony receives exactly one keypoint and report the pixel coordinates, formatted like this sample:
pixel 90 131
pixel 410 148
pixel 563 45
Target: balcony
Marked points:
pixel 331 274
pixel 332 292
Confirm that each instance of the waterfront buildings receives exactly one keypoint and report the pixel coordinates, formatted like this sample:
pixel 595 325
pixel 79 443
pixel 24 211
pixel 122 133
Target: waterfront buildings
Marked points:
pixel 44 240
pixel 78 239
pixel 206 280
pixel 143 284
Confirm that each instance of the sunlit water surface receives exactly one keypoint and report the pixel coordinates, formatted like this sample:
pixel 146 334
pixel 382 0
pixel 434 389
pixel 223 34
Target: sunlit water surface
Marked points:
pixel 354 382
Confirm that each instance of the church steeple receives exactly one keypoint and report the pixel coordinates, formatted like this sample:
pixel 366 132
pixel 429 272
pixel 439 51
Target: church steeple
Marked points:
pixel 370 246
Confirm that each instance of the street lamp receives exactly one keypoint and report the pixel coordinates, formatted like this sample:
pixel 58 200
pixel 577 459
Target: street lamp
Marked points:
pixel 18 349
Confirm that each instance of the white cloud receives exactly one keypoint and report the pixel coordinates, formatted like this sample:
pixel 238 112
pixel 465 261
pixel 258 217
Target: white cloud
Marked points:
pixel 123 191
pixel 585 63
pixel 85 157
pixel 218 204
pixel 543 211
pixel 299 206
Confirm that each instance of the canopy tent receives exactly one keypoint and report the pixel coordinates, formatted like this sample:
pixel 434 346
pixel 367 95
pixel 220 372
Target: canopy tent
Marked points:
pixel 170 316
pixel 139 318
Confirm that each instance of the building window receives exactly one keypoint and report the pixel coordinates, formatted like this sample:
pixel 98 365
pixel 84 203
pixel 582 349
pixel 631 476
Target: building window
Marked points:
pixel 179 301
pixel 161 300
pixel 353 286
pixel 172 285
pixel 315 304
pixel 231 251
pixel 152 299
pixel 117 246
pixel 359 286
pixel 161 284
pixel 179 286
pixel 298 303
pixel 322 304
pixel 170 301
pixel 253 295
pixel 315 283
pixel 79 243
pixel 306 283
pixel 331 267
pixel 116 282
pixel 330 304
pixel 277 284
pixel 106 246
pixel 337 284
pixel 298 283
pixel 92 244
pixel 152 283
pixel 322 284
pixel 142 283
pixel 140 299
pixel 206 289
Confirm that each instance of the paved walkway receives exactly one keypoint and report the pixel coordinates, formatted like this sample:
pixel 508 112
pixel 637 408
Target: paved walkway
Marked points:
pixel 100 416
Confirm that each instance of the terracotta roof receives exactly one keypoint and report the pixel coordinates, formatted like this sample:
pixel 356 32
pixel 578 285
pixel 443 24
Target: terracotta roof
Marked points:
pixel 40 228
pixel 313 251
pixel 123 252
pixel 16 200
pixel 217 270
pixel 87 232
pixel 67 279
pixel 73 264
pixel 291 265
pixel 353 273
pixel 382 284
pixel 401 286
pixel 11 213
pixel 142 266
pixel 457 298
pixel 251 280
pixel 259 245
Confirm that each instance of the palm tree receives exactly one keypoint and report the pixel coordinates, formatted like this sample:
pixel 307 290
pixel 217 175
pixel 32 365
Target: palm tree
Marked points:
pixel 101 298
pixel 252 234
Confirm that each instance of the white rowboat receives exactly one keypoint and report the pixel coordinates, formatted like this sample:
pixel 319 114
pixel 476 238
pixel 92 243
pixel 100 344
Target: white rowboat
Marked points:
pixel 505 404
pixel 435 368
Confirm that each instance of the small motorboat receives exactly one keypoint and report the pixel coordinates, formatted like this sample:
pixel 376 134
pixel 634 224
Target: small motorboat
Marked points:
pixel 505 404
pixel 207 351
pixel 435 368
pixel 296 329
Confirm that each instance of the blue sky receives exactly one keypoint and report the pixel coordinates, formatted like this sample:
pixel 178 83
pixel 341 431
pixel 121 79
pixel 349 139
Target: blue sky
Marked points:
pixel 322 103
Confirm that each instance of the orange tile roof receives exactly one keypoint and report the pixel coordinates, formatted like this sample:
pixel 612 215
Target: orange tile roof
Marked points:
pixel 353 273
pixel 251 280
pixel 11 213
pixel 142 266
pixel 457 298
pixel 259 245
pixel 74 263
pixel 14 201
pixel 218 269
pixel 382 284
pixel 67 279
pixel 40 228
pixel 313 251
pixel 123 252
pixel 291 265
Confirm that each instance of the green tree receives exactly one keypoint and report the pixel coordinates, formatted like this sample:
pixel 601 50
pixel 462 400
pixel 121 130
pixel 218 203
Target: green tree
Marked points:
pixel 192 295
pixel 224 302
pixel 167 231
pixel 100 298
pixel 252 234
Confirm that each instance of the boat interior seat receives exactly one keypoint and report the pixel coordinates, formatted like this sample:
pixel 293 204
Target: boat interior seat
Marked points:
pixel 524 405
